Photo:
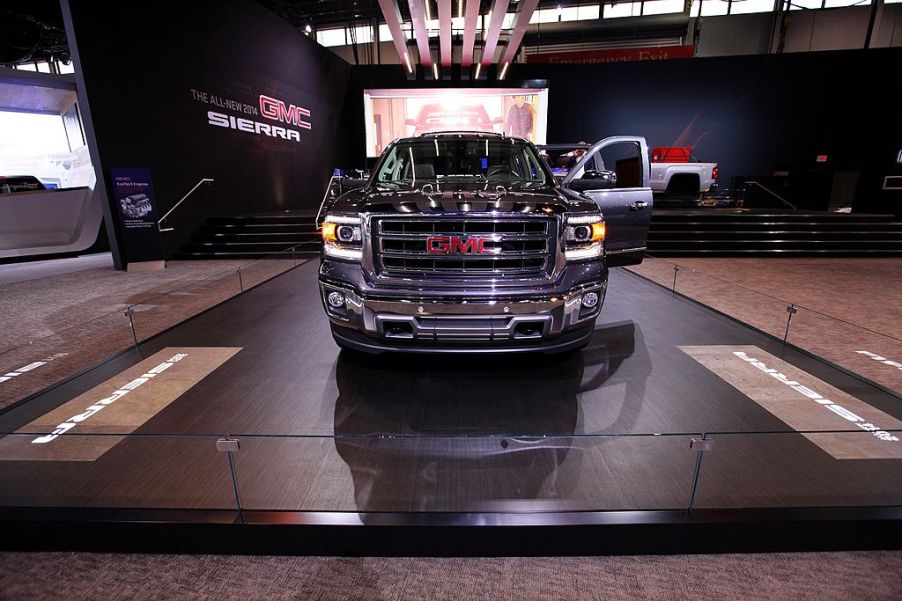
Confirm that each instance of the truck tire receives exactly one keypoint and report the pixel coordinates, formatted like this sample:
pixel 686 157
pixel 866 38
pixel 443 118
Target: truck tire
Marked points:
pixel 683 184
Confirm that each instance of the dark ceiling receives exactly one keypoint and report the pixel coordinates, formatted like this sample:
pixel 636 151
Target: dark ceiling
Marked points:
pixel 31 30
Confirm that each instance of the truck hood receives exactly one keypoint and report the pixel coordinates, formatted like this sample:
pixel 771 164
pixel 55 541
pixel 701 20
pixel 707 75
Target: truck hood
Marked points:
pixel 547 200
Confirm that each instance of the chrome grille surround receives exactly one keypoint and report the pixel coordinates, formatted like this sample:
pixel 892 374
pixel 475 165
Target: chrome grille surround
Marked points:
pixel 523 247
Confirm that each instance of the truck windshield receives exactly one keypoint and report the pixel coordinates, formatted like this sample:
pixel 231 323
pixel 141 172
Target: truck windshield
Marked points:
pixel 502 161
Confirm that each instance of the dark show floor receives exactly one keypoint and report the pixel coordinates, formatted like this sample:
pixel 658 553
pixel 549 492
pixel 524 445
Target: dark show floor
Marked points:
pixel 607 428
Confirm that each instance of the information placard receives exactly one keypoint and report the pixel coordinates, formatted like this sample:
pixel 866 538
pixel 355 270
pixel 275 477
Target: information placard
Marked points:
pixel 135 205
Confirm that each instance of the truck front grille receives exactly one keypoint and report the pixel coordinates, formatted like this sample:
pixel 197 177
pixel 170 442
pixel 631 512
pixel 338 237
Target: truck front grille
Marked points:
pixel 477 247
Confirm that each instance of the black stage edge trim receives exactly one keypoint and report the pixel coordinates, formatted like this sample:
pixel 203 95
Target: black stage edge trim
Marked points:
pixel 777 339
pixel 452 534
pixel 131 349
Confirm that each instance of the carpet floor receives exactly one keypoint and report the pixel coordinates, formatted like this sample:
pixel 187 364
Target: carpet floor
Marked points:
pixel 855 576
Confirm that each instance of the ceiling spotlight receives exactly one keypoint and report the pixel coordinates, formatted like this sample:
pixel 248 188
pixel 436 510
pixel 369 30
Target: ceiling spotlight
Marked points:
pixel 435 70
pixel 407 60
pixel 504 70
pixel 308 29
pixel 478 69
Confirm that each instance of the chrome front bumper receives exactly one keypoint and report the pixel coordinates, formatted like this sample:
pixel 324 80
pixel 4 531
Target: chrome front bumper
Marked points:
pixel 411 322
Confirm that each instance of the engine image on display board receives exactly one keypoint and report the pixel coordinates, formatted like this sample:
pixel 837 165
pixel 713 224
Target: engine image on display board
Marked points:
pixel 398 113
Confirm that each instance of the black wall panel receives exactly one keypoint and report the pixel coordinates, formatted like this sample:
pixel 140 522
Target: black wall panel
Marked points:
pixel 141 62
pixel 751 114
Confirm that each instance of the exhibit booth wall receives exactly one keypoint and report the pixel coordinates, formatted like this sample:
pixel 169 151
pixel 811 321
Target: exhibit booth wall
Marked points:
pixel 753 115
pixel 153 75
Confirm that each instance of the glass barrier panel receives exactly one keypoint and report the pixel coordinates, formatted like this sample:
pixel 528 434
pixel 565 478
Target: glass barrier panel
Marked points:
pixel 876 355
pixel 863 337
pixel 163 311
pixel 44 361
pixel 114 471
pixel 465 474
pixel 854 468
pixel 265 268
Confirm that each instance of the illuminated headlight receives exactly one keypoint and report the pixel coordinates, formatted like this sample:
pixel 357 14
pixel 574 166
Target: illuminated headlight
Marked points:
pixel 343 237
pixel 584 237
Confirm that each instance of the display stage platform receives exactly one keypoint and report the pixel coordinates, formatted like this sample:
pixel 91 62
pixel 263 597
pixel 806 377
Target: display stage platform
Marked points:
pixel 245 429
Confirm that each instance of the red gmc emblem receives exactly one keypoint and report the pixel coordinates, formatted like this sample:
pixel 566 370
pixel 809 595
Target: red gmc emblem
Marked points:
pixel 447 245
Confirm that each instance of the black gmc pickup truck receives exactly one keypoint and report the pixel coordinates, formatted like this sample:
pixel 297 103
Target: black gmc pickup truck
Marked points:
pixel 464 242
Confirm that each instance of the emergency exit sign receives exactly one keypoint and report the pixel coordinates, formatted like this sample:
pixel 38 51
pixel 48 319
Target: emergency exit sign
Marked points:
pixel 821 158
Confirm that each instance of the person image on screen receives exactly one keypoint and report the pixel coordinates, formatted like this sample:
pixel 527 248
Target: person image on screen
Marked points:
pixel 520 119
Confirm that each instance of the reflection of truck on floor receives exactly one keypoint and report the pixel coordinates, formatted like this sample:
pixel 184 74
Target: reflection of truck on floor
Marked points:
pixel 135 206
pixel 675 173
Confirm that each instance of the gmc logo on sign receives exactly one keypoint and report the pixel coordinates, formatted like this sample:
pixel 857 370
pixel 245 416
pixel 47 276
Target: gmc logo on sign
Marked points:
pixel 277 110
pixel 447 245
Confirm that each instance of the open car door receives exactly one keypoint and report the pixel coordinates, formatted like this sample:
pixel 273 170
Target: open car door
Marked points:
pixel 615 174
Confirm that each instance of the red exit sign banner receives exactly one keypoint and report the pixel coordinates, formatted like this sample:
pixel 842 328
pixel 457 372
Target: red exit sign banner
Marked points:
pixel 616 55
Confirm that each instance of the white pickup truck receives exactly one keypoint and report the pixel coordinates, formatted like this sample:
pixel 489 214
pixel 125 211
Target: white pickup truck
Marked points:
pixel 673 173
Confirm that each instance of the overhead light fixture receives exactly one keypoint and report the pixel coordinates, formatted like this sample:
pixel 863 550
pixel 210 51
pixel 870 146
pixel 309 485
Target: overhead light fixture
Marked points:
pixel 478 69
pixel 503 71
pixel 308 29
pixel 485 22
pixel 460 8
pixel 435 70
pixel 428 11
pixel 407 60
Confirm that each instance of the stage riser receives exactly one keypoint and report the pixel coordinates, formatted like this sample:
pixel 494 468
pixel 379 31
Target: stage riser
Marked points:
pixel 728 233
pixel 672 233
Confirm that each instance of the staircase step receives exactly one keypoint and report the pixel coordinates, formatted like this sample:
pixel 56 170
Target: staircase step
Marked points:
pixel 254 236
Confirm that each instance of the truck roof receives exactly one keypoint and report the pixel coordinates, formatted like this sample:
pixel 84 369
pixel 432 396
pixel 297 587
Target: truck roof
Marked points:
pixel 462 134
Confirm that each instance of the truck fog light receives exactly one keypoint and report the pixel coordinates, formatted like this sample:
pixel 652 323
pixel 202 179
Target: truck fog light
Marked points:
pixel 337 299
pixel 590 299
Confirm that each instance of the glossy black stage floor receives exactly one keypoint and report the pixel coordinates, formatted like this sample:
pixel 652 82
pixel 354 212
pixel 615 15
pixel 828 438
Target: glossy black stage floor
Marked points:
pixel 600 438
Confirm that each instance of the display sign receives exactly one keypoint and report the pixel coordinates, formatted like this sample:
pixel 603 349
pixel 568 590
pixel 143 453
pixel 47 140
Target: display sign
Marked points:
pixel 614 55
pixel 134 198
pixel 399 113
pixel 285 120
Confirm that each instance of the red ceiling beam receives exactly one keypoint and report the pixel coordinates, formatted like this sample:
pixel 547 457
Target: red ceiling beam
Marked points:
pixel 444 25
pixel 499 8
pixel 392 15
pixel 418 18
pixel 471 13
pixel 521 22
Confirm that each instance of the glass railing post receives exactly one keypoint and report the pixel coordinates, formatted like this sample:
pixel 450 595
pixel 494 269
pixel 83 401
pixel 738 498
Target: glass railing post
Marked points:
pixel 228 446
pixel 791 310
pixel 240 281
pixel 699 445
pixel 131 322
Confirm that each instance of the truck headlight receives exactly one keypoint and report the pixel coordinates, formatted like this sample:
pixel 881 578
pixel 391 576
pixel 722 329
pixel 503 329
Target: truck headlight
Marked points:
pixel 584 237
pixel 343 237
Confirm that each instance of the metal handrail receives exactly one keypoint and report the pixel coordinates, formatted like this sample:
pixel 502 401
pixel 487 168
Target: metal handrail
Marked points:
pixel 772 193
pixel 323 203
pixel 205 180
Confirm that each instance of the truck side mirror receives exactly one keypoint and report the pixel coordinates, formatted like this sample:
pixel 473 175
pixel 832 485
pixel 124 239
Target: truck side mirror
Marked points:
pixel 595 180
